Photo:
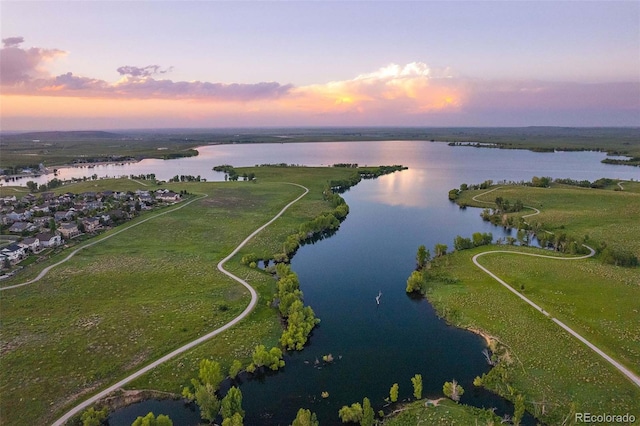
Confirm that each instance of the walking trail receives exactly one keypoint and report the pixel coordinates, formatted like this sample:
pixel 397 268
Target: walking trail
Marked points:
pixel 254 299
pixel 635 379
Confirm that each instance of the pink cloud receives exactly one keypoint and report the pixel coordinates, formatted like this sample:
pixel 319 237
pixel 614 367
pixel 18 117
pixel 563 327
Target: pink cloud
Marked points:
pixel 23 74
pixel 19 66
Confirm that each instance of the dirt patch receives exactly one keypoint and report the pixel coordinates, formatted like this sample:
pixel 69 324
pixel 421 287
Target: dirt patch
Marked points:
pixel 122 398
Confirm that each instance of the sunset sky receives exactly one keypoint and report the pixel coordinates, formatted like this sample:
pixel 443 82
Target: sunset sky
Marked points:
pixel 166 64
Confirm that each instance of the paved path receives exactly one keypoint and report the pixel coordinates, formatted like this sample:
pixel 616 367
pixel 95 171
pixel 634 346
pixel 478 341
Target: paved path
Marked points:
pixel 46 270
pixel 137 181
pixel 536 211
pixel 254 299
pixel 620 186
pixel 635 379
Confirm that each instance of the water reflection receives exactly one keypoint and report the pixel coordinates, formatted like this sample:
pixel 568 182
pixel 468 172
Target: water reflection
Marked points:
pixel 406 189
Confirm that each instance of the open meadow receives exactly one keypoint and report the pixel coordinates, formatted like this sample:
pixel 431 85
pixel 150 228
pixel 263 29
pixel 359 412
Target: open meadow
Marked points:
pixel 556 373
pixel 119 304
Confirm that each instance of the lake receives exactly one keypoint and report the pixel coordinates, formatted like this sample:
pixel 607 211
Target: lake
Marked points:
pixel 374 251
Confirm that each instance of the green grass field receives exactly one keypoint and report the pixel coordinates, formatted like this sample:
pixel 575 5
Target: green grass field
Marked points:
pixel 130 299
pixel 556 373
pixel 605 215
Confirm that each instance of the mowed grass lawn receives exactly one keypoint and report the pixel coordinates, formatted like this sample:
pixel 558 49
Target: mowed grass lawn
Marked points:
pixel 601 302
pixel 604 215
pixel 134 297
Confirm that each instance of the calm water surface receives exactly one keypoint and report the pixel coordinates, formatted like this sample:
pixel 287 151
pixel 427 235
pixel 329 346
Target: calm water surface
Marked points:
pixel 374 250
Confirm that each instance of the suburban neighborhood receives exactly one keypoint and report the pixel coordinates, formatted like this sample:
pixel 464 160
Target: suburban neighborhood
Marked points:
pixel 36 224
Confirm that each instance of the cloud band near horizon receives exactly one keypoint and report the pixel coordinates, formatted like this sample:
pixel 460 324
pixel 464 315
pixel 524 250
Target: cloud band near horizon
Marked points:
pixel 407 93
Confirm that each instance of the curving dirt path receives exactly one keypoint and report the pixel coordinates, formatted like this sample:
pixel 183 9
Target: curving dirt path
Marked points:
pixel 630 375
pixel 254 300
pixel 46 270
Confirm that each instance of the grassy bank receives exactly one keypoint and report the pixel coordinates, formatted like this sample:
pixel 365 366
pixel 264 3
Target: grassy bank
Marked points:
pixel 132 298
pixel 603 215
pixel 555 372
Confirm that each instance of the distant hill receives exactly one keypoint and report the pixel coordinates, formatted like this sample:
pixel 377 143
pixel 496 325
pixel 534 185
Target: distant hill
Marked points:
pixel 62 136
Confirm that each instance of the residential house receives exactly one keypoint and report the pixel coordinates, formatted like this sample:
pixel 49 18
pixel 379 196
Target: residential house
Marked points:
pixel 69 230
pixel 44 208
pixel 20 227
pixel 64 215
pixel 8 200
pixel 41 221
pixel 19 215
pixel 168 196
pixel 47 239
pixel 30 244
pixel 13 252
pixel 91 224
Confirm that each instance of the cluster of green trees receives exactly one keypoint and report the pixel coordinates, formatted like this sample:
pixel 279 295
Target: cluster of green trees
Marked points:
pixel 372 173
pixel 499 379
pixel 633 161
pixel 204 391
pixel 596 184
pixel 305 418
pixel 362 414
pixel 262 357
pixel 186 178
pixel 541 182
pixel 93 417
pixel 619 257
pixel 323 224
pixel 341 185
pixel 186 153
pixel 505 206
pixel 477 239
pixel 418 278
pixel 151 420
pixel 52 184
pixel 455 192
pixel 229 171
pixel 149 176
pixel 300 319
pixel 346 165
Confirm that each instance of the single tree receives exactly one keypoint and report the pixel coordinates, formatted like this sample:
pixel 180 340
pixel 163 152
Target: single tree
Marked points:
pixel 235 420
pixel 367 413
pixel 414 282
pixel 441 250
pixel 305 418
pixel 393 393
pixel 417 385
pixel 351 413
pixel 422 257
pixel 518 410
pixel 235 368
pixel 453 390
pixel 232 403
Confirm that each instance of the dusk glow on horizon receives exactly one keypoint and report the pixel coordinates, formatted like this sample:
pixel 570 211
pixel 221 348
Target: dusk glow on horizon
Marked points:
pixel 111 65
